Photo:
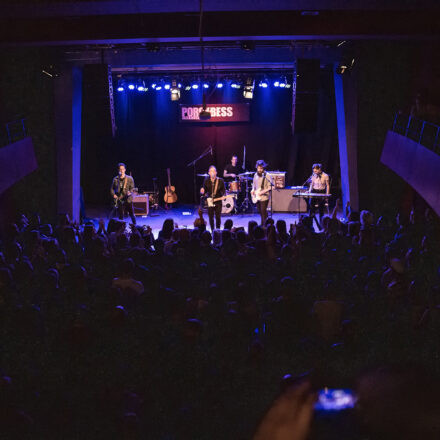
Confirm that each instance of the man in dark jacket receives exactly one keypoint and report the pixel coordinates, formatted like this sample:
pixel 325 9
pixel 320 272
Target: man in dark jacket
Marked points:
pixel 214 187
pixel 122 193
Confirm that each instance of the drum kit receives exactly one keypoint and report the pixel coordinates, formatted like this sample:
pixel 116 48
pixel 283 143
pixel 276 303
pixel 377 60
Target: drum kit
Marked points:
pixel 238 198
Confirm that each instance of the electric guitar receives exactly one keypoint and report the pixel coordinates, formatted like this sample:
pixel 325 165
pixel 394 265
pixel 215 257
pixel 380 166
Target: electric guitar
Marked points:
pixel 170 191
pixel 123 197
pixel 211 201
pixel 256 195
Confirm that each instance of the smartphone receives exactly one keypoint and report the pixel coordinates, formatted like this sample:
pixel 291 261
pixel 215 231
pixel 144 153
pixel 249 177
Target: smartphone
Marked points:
pixel 335 399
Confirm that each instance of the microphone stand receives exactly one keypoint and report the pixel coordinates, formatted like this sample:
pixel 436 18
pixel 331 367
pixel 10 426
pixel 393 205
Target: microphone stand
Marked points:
pixel 193 164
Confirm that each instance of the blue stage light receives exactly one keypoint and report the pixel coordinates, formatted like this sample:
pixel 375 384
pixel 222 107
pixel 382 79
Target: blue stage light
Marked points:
pixel 120 89
pixel 219 85
pixel 282 84
pixel 263 84
pixel 153 86
pixel 205 85
pixel 195 86
pixel 131 86
pixel 167 86
pixel 158 87
pixel 179 85
pixel 276 83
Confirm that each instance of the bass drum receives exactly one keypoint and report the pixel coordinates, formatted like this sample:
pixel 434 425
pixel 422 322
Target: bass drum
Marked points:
pixel 228 204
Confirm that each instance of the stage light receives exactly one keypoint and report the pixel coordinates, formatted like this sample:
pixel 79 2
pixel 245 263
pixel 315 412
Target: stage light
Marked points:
pixel 235 85
pixel 195 86
pixel 179 85
pixel 141 86
pixel 219 85
pixel 153 86
pixel 276 83
pixel 288 86
pixel 282 84
pixel 120 89
pixel 263 84
pixel 175 91
pixel 206 86
pixel 131 86
pixel 158 87
pixel 344 67
pixel 167 86
pixel 188 88
pixel 248 91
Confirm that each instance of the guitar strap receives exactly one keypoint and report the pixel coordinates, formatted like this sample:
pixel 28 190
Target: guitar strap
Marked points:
pixel 262 181
pixel 123 187
pixel 215 188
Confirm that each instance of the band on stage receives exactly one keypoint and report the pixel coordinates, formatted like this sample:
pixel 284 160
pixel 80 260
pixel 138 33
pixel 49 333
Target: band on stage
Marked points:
pixel 237 189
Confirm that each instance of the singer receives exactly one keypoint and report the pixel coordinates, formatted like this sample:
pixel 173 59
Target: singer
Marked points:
pixel 122 193
pixel 319 183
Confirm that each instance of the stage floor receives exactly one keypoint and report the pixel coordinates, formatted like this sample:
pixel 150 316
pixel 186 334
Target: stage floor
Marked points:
pixel 184 216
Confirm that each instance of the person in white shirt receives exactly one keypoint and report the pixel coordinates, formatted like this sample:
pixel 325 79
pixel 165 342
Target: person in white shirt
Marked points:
pixel 262 182
pixel 319 184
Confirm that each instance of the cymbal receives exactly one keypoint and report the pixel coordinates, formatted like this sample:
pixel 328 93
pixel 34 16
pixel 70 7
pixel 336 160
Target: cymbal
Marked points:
pixel 246 178
pixel 203 175
pixel 246 173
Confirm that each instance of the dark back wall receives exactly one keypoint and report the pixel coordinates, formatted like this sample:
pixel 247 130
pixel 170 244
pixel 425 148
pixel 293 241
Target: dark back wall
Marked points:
pixel 26 92
pixel 384 72
pixel 150 138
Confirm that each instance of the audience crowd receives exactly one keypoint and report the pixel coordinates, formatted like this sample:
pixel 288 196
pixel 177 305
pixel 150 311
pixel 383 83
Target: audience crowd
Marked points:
pixel 112 332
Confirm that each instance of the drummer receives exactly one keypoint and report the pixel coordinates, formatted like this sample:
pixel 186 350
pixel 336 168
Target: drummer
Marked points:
pixel 231 170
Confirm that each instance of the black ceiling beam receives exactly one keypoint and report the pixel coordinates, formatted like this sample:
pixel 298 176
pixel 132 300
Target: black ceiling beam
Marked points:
pixel 153 27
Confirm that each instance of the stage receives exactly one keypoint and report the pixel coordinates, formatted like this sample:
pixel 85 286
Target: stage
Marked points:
pixel 184 216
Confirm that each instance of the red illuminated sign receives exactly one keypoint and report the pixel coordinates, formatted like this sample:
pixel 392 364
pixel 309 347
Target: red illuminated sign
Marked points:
pixel 219 113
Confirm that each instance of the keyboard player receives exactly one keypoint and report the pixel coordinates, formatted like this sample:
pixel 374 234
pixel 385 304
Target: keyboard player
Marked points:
pixel 319 184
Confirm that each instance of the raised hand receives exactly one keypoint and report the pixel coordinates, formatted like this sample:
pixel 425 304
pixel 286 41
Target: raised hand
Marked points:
pixel 290 416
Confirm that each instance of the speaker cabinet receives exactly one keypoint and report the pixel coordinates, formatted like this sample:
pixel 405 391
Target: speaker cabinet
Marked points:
pixel 284 200
pixel 141 205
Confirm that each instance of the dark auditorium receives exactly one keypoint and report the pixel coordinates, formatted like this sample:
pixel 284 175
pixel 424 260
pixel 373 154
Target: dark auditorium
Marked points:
pixel 216 221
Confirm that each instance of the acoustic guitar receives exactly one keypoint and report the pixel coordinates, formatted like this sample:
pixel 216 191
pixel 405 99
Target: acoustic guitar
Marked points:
pixel 170 191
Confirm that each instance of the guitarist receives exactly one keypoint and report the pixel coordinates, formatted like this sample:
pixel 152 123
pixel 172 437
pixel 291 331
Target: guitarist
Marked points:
pixel 261 187
pixel 121 191
pixel 214 187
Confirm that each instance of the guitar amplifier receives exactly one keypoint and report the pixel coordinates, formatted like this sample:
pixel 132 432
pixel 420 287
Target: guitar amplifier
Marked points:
pixel 284 201
pixel 141 205
pixel 279 178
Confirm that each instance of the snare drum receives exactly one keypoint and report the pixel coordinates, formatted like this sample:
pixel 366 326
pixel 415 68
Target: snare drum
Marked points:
pixel 234 186
pixel 228 204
